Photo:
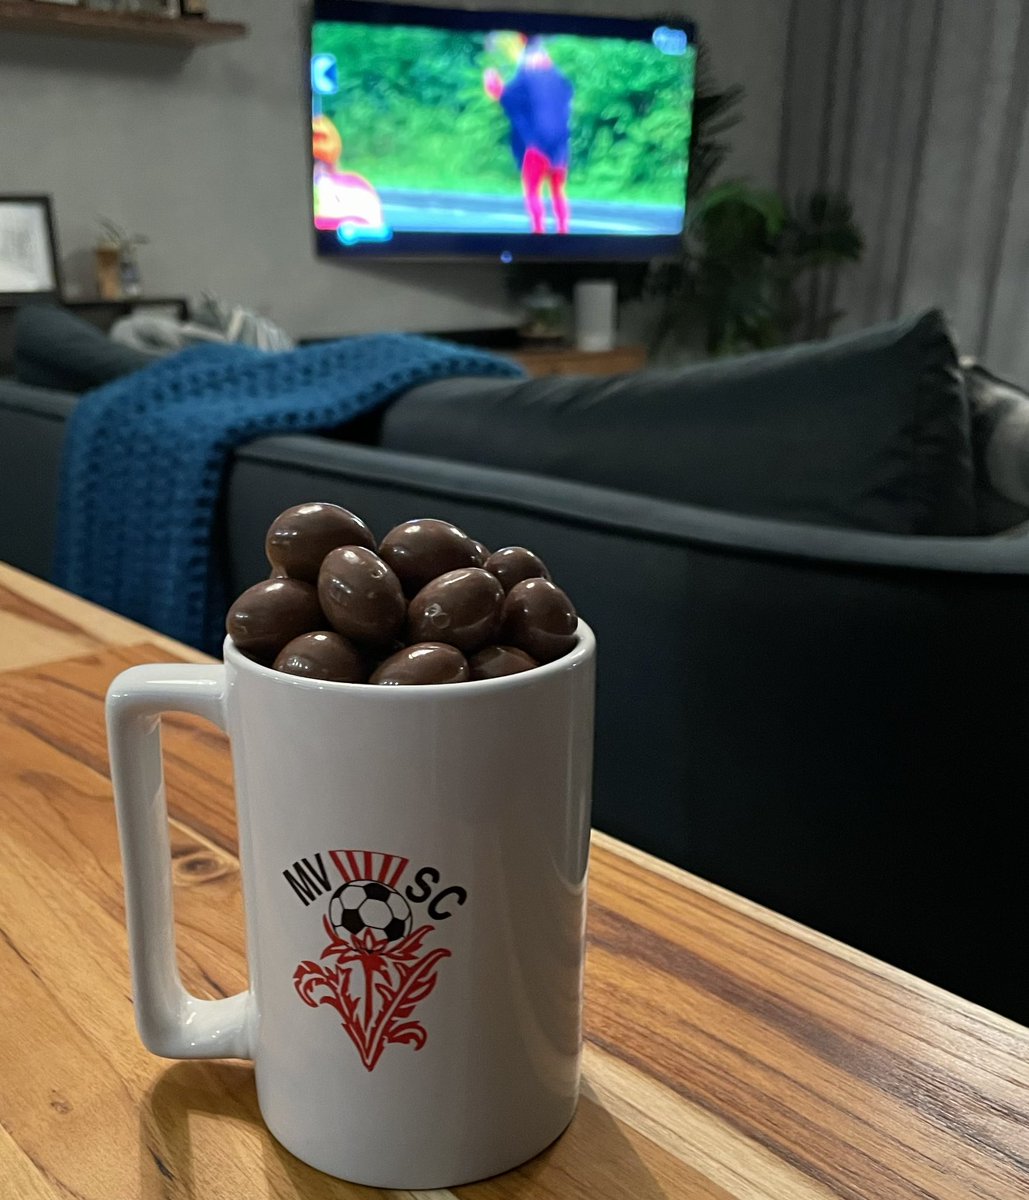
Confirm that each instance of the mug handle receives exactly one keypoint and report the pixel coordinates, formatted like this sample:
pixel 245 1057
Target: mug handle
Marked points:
pixel 171 1021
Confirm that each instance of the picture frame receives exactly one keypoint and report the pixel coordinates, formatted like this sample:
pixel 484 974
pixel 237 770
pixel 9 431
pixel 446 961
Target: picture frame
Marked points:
pixel 29 265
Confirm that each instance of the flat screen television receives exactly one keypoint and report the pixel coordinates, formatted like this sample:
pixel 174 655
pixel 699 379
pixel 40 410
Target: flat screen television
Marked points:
pixel 520 135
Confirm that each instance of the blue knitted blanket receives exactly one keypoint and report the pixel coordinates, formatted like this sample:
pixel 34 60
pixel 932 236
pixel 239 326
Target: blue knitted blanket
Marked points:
pixel 145 457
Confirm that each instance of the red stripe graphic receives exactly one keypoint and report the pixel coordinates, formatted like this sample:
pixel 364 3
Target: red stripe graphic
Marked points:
pixel 369 864
pixel 398 870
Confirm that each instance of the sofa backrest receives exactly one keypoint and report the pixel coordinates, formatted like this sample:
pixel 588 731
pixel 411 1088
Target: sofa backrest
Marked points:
pixel 32 430
pixel 868 431
pixel 54 348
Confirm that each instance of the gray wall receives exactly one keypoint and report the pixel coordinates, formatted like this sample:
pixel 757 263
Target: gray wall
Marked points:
pixel 206 154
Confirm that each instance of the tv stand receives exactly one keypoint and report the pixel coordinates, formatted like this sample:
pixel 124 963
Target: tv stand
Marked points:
pixel 567 360
pixel 542 358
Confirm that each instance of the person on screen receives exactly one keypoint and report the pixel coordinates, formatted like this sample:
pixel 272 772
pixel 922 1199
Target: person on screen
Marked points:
pixel 538 103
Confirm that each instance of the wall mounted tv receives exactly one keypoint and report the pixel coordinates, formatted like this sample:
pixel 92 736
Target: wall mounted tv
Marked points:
pixel 440 132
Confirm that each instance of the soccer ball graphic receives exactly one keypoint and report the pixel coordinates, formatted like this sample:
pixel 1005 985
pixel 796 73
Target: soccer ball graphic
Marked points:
pixel 366 904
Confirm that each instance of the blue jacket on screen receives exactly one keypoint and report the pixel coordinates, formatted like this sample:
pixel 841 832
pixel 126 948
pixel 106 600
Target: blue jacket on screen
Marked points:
pixel 538 103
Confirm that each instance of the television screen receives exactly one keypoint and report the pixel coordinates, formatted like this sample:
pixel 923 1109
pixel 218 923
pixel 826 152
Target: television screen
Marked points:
pixel 443 131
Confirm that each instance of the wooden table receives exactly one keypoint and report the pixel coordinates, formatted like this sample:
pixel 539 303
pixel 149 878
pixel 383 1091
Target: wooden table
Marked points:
pixel 729 1052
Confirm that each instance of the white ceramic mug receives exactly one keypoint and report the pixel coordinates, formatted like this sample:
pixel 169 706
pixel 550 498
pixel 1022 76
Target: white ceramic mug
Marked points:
pixel 414 876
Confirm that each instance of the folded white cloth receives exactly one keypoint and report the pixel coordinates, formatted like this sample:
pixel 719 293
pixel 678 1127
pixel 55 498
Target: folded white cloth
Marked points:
pixel 211 320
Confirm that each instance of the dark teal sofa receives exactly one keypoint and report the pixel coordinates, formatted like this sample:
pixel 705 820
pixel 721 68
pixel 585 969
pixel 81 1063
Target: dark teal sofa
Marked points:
pixel 811 604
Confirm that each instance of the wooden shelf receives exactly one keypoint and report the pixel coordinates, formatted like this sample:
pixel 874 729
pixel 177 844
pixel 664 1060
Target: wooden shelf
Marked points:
pixel 34 16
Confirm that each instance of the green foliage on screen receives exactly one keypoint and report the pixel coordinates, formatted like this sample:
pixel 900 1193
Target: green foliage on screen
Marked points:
pixel 412 112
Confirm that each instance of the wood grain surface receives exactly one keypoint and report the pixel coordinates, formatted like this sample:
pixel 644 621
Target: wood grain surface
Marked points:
pixel 567 360
pixel 729 1052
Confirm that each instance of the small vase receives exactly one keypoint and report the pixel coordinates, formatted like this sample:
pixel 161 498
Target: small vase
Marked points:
pixel 108 271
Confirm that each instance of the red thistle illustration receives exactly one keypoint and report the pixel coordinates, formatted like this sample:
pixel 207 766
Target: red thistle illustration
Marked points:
pixel 375 985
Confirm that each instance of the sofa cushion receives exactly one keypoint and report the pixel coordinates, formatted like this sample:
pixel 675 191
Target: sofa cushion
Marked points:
pixel 55 349
pixel 867 431
pixel 1000 449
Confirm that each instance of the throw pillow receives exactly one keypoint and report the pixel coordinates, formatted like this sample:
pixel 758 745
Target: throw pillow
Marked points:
pixel 55 349
pixel 868 431
pixel 1000 447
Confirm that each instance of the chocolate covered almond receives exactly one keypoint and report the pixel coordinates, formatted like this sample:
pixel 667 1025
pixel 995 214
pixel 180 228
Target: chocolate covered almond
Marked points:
pixel 494 662
pixel 423 663
pixel 299 538
pixel 419 551
pixel 271 613
pixel 323 655
pixel 461 607
pixel 540 619
pixel 361 596
pixel 512 564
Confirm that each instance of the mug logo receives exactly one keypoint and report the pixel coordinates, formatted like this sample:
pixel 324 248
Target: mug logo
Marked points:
pixel 376 969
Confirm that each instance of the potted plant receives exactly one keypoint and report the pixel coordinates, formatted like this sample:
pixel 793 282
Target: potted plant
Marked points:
pixel 745 255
